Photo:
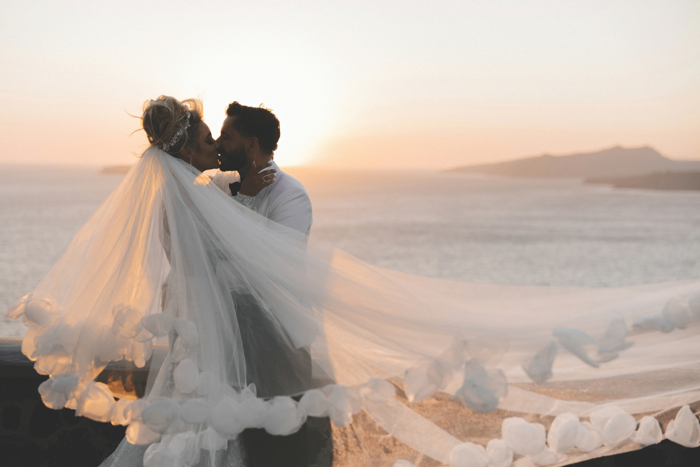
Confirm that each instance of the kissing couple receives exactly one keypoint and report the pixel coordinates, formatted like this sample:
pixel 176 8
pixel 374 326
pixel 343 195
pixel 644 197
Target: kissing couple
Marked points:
pixel 242 336
pixel 244 155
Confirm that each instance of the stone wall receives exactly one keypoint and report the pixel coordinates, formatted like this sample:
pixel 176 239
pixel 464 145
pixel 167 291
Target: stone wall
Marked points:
pixel 32 435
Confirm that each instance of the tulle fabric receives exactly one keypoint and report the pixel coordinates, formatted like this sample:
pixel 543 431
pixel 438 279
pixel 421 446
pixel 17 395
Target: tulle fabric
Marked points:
pixel 248 312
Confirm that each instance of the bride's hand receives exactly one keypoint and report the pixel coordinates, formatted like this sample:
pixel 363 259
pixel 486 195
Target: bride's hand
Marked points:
pixel 257 179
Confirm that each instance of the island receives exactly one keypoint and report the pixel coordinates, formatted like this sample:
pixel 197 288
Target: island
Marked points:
pixel 616 162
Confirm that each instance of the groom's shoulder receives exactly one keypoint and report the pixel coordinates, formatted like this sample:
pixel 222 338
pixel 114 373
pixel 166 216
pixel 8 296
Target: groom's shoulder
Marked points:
pixel 287 183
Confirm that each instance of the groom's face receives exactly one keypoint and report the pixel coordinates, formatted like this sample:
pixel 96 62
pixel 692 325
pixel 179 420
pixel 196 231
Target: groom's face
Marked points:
pixel 232 153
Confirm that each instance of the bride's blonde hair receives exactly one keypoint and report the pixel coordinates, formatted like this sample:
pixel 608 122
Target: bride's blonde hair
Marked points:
pixel 163 117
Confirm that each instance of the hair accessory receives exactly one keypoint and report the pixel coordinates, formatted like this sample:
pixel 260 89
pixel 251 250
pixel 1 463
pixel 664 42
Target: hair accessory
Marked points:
pixel 178 134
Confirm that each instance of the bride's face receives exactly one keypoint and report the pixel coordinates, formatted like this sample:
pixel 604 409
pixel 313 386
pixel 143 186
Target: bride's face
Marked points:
pixel 205 153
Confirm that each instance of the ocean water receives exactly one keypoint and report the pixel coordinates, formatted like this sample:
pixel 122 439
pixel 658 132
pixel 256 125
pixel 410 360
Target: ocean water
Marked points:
pixel 472 228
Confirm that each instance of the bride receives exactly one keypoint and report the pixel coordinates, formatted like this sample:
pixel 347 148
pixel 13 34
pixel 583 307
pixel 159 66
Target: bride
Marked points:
pixel 235 314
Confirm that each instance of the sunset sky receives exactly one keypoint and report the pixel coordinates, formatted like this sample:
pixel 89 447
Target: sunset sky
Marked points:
pixel 371 84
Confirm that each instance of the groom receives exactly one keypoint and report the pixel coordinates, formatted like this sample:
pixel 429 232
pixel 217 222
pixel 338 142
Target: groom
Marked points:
pixel 248 140
pixel 249 137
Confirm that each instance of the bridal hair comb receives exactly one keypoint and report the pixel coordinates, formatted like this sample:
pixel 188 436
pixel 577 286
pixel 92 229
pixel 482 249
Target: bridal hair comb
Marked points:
pixel 178 134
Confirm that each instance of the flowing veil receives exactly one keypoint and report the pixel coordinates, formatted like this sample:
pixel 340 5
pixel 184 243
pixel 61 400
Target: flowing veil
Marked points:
pixel 235 314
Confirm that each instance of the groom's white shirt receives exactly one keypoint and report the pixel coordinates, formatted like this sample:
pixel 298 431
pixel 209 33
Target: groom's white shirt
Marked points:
pixel 285 201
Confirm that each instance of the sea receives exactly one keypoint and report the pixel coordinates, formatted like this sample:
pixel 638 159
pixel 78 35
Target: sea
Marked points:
pixel 467 227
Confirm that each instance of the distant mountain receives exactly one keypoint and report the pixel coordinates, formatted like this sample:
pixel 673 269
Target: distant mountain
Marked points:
pixel 655 181
pixel 613 162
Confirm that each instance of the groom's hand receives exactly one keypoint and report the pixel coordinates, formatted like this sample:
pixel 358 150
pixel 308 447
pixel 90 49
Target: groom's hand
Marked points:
pixel 257 179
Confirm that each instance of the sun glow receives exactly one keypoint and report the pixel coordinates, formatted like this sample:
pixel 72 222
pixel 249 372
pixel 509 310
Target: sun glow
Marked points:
pixel 295 101
pixel 359 84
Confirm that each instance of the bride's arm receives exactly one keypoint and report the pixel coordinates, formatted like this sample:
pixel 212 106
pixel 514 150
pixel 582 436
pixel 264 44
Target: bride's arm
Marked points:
pixel 254 182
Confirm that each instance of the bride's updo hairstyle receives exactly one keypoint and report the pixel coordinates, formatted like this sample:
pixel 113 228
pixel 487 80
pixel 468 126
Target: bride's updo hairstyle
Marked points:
pixel 171 124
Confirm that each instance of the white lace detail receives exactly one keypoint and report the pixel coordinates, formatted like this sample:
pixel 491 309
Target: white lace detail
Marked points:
pixel 245 200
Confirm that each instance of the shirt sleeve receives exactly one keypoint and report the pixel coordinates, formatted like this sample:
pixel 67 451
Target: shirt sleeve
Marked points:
pixel 294 211
pixel 224 179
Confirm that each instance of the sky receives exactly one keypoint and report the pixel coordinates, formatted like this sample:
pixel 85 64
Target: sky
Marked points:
pixel 362 84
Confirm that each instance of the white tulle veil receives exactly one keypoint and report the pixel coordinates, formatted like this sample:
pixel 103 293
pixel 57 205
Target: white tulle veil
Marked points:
pixel 243 313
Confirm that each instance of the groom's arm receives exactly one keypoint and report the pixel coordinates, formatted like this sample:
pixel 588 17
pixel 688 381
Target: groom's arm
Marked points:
pixel 294 211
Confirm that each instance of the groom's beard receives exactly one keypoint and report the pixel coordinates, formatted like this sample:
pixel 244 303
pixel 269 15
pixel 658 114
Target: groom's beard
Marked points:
pixel 233 160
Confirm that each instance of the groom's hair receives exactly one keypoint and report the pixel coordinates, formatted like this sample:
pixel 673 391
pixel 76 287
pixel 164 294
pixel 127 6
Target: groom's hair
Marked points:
pixel 257 122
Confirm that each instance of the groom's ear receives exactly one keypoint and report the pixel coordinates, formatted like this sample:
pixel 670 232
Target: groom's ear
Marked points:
pixel 253 145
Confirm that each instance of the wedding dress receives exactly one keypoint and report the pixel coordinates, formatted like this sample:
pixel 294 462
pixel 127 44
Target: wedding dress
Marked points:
pixel 244 313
